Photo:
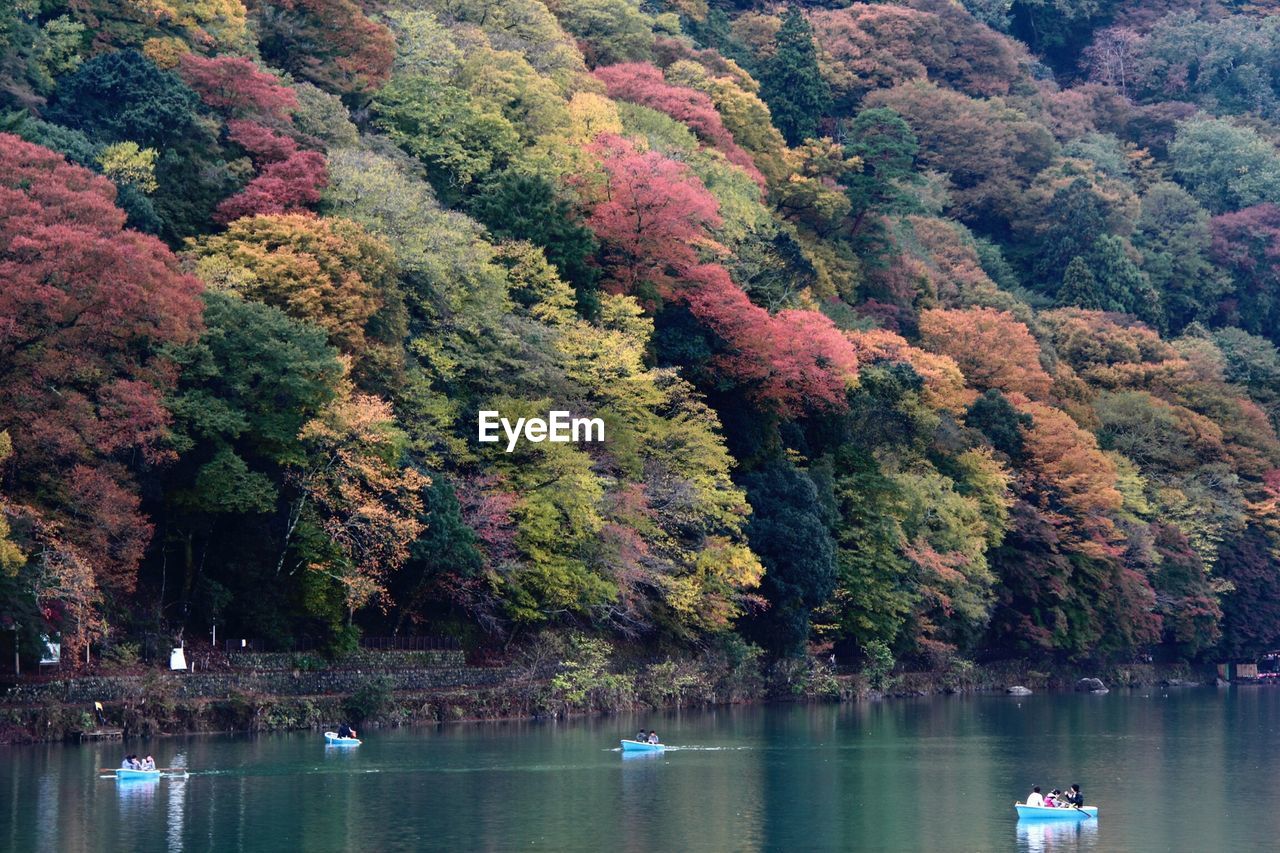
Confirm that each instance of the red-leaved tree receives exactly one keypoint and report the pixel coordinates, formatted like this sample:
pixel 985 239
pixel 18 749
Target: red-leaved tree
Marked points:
pixel 286 186
pixel 642 83
pixel 791 362
pixel 263 144
pixel 235 86
pixel 651 215
pixel 86 309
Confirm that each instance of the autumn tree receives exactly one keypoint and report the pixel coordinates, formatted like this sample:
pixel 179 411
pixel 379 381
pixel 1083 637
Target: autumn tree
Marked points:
pixel 353 490
pixel 1189 610
pixel 87 312
pixel 329 272
pixel 328 42
pixel 642 83
pixel 651 216
pixel 1246 244
pixel 991 150
pixel 1251 611
pixel 993 349
pixel 285 186
pixel 236 87
pixel 1072 478
pixel 868 46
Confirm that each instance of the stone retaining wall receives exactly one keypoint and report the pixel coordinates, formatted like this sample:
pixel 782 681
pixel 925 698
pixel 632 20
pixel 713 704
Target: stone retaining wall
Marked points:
pixel 275 683
pixel 364 658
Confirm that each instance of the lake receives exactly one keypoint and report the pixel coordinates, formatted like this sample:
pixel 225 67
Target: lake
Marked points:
pixel 1172 769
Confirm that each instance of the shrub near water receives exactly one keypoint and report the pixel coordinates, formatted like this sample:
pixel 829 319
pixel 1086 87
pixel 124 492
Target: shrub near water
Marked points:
pixel 585 681
pixel 372 699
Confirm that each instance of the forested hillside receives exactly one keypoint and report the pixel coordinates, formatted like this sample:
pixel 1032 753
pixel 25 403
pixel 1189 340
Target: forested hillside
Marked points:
pixel 925 329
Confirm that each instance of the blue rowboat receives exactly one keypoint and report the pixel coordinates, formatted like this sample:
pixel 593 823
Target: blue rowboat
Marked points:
pixel 123 775
pixel 1061 813
pixel 332 739
pixel 640 746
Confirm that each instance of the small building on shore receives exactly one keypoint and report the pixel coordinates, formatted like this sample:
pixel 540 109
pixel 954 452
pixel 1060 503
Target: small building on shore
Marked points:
pixel 1241 671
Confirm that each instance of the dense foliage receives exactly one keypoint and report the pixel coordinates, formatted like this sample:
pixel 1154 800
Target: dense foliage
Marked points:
pixel 919 329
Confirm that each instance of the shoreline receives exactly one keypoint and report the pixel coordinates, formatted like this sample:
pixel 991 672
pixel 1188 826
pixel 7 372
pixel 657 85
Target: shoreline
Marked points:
pixel 154 708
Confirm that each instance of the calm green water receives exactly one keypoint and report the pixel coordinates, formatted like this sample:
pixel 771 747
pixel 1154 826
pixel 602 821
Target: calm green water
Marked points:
pixel 1189 769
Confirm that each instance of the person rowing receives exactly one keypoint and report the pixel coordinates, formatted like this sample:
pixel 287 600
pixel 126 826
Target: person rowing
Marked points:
pixel 345 731
pixel 1074 797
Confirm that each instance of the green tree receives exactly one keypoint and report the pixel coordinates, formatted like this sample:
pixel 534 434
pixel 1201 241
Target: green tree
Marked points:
pixel 123 95
pixel 1080 287
pixel 249 384
pixel 788 531
pixel 1174 238
pixel 1122 284
pixel 1226 167
pixel 886 147
pixel 1077 219
pixel 995 417
pixel 515 206
pixel 791 83
pixel 873 595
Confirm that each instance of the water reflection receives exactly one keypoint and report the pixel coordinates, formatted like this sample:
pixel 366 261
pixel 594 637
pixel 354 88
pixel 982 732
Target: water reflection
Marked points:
pixel 1041 836
pixel 177 809
pixel 809 777
pixel 136 797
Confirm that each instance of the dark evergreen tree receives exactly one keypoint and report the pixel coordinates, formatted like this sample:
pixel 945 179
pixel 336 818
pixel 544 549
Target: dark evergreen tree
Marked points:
pixel 887 147
pixel 995 417
pixel 518 206
pixel 1122 285
pixel 1251 610
pixel 1080 218
pixel 791 83
pixel 123 95
pixel 788 531
pixel 1079 286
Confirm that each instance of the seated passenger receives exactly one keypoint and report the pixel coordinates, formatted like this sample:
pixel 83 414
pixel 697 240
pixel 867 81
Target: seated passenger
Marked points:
pixel 1035 798
pixel 653 736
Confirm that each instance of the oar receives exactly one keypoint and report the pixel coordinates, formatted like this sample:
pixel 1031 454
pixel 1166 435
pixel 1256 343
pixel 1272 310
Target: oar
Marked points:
pixel 1087 815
